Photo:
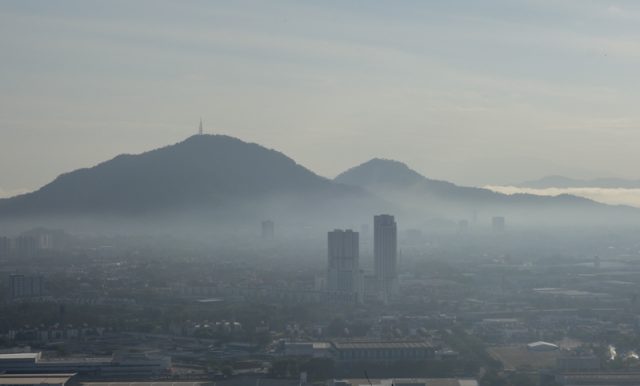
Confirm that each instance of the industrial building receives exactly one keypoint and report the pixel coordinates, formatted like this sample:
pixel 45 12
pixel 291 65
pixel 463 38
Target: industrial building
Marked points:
pixel 404 382
pixel 599 378
pixel 356 351
pixel 37 379
pixel 127 365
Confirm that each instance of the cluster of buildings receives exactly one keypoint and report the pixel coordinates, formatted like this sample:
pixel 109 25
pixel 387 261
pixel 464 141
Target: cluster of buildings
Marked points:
pixel 121 365
pixel 363 351
pixel 42 334
pixel 30 243
pixel 23 246
pixel 346 281
pixel 26 286
pixel 404 382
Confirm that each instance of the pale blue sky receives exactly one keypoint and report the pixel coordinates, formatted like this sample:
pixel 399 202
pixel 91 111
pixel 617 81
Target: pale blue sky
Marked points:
pixel 470 91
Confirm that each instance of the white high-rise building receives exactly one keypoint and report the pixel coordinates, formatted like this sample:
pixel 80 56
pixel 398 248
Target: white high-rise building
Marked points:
pixel 343 271
pixel 385 253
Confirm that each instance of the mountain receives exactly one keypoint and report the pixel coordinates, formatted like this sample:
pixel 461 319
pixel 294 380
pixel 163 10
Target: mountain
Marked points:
pixel 203 173
pixel 209 181
pixel 414 193
pixel 385 176
pixel 566 182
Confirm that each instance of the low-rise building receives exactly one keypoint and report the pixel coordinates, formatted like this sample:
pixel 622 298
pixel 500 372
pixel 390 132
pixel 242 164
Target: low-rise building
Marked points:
pixel 384 351
pixel 404 382
pixel 578 363
pixel 122 365
pixel 307 349
pixel 618 378
pixel 36 379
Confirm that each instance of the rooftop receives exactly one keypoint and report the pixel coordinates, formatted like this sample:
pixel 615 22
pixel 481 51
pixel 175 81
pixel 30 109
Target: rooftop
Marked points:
pixel 379 345
pixel 409 381
pixel 32 379
pixel 602 376
pixel 78 360
pixel 25 355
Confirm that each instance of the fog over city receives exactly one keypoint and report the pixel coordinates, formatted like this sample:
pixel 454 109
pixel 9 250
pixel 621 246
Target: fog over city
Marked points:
pixel 335 193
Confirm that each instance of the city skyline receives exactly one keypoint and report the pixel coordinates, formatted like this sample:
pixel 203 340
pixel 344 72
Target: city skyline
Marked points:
pixel 298 193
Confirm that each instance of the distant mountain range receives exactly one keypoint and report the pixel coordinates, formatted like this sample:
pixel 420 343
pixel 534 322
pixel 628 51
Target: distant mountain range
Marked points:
pixel 410 191
pixel 566 182
pixel 203 173
pixel 220 178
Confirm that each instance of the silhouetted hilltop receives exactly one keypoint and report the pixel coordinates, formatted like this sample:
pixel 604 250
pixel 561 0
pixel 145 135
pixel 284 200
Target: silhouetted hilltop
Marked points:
pixel 381 174
pixel 216 179
pixel 396 182
pixel 378 171
pixel 202 171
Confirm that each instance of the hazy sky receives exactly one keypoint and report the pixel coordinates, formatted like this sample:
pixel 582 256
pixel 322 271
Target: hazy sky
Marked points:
pixel 476 92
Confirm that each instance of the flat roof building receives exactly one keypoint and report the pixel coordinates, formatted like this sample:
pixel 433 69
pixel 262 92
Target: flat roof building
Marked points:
pixel 36 379
pixel 404 382
pixel 381 351
pixel 118 366
pixel 600 378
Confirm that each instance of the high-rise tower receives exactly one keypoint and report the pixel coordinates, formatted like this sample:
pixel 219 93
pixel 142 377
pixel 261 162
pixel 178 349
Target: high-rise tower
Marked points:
pixel 267 227
pixel 343 271
pixel 385 253
pixel 498 224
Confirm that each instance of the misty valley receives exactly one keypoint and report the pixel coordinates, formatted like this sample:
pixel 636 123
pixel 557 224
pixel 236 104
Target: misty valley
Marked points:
pixel 319 193
pixel 217 260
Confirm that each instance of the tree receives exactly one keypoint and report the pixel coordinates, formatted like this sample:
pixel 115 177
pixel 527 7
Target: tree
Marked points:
pixel 318 368
pixel 227 371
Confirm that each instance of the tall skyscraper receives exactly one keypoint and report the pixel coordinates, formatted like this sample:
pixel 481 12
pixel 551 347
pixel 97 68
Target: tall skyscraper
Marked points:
pixel 343 271
pixel 385 253
pixel 498 224
pixel 268 229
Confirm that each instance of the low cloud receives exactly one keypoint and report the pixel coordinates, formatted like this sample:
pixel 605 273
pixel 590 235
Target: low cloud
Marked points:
pixel 612 196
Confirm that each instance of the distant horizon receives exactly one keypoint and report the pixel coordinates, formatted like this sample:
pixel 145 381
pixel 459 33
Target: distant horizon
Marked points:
pixel 20 190
pixel 610 196
pixel 441 182
pixel 512 93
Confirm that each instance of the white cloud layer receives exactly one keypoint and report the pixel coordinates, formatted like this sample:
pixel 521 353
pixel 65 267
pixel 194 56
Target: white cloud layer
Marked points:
pixel 612 196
